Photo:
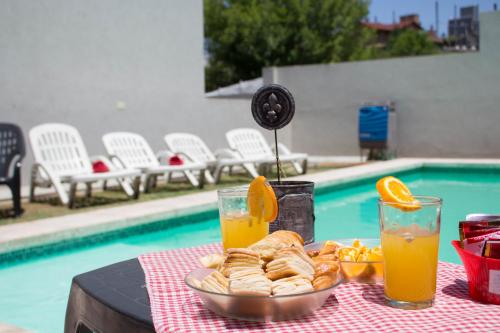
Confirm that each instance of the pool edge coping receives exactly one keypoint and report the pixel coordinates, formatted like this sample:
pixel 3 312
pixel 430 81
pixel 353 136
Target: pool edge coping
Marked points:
pixel 15 237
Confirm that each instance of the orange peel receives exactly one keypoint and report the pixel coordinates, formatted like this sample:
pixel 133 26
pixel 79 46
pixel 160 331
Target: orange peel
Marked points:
pixel 396 193
pixel 261 200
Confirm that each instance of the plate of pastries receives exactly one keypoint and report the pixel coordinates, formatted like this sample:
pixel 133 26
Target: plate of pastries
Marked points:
pixel 273 279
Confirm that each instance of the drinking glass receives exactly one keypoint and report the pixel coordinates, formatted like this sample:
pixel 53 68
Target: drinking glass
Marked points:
pixel 238 228
pixel 410 242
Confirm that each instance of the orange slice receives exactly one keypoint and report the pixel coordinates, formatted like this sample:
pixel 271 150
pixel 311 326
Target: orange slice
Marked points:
pixel 395 191
pixel 349 253
pixel 372 256
pixel 261 200
pixel 352 269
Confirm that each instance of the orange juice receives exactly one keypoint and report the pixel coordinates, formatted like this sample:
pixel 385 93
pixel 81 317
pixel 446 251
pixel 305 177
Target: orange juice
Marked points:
pixel 410 263
pixel 242 230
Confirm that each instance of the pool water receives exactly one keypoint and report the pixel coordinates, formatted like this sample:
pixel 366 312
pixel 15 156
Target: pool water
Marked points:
pixel 34 292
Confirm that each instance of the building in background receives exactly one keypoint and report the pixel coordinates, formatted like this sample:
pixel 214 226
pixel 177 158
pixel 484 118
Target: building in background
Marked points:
pixel 463 32
pixel 385 30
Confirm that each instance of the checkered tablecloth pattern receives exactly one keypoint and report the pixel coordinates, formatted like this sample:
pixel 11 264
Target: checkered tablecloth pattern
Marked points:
pixel 351 308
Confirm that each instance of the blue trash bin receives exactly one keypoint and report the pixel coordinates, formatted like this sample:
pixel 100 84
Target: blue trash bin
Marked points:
pixel 376 129
pixel 373 126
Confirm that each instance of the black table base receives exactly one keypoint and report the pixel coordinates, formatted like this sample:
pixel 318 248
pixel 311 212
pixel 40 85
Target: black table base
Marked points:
pixel 112 299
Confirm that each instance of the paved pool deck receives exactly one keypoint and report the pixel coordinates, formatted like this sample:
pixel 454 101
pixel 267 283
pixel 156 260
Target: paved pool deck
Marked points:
pixel 45 231
pixel 6 328
pixel 5 194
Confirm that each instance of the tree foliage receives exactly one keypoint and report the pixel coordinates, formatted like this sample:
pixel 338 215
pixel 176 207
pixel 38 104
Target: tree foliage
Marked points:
pixel 409 43
pixel 243 36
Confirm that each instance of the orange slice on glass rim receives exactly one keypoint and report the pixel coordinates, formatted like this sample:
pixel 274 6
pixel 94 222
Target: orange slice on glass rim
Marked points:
pixel 397 194
pixel 261 200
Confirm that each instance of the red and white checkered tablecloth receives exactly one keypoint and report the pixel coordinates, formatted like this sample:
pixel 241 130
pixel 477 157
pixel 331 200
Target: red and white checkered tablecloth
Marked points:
pixel 351 308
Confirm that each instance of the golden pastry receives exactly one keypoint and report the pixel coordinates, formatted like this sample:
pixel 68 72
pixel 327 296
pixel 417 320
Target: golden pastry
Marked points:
pixel 276 241
pixel 325 273
pixel 240 259
pixel 214 260
pixel 322 282
pixel 330 247
pixel 215 282
pixel 249 282
pixel 288 262
pixel 291 285
pixel 313 253
pixel 325 257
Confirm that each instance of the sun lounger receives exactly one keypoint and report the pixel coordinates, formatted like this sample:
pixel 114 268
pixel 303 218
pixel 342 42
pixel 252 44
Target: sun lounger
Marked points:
pixel 251 145
pixel 61 157
pixel 195 149
pixel 130 150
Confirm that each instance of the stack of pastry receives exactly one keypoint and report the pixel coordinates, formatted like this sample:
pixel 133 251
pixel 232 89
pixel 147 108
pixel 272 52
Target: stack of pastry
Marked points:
pixel 240 259
pixel 269 245
pixel 290 261
pixel 250 281
pixel 244 270
pixel 215 282
pixel 291 285
pixel 326 265
pixel 276 265
pixel 325 274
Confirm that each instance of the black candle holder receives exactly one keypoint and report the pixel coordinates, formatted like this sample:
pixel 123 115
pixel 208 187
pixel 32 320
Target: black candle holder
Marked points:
pixel 296 208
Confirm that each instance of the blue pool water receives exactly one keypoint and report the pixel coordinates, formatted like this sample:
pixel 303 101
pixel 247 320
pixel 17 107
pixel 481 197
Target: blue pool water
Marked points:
pixel 33 292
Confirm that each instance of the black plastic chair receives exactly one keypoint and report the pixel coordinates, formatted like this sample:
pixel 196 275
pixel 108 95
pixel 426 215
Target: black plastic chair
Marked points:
pixel 12 152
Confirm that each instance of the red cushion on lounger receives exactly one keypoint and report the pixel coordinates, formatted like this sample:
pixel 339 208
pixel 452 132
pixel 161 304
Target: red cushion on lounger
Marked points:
pixel 175 160
pixel 99 167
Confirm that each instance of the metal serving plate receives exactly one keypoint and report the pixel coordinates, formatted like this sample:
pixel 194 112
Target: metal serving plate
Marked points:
pixel 259 308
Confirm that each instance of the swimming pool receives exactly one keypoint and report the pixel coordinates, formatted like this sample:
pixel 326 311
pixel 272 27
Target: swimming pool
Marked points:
pixel 34 291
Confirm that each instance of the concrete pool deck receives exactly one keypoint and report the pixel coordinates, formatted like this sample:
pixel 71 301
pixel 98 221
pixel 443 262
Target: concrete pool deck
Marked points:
pixel 6 328
pixel 45 231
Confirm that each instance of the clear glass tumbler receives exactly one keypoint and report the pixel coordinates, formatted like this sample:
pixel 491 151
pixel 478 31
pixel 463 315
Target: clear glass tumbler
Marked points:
pixel 410 243
pixel 238 228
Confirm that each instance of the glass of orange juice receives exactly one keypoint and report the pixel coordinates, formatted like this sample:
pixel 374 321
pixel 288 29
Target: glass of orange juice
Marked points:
pixel 238 227
pixel 410 242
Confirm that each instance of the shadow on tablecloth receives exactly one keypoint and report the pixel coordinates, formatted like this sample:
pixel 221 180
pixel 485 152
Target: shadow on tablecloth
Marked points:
pixel 459 289
pixel 373 293
pixel 194 309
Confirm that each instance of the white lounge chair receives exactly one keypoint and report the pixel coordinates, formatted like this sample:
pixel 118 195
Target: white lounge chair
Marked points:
pixel 61 157
pixel 130 150
pixel 194 148
pixel 251 145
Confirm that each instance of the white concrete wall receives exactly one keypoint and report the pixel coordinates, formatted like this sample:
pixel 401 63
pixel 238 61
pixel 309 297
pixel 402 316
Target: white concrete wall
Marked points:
pixel 447 105
pixel 71 61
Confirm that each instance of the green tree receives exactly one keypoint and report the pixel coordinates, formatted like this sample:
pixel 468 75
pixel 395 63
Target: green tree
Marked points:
pixel 410 43
pixel 245 35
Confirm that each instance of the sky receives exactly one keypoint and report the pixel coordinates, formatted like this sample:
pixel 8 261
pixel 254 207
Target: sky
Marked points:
pixel 382 9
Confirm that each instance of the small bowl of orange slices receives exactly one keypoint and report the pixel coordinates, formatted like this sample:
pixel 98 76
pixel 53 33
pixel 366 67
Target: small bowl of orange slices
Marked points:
pixel 361 260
